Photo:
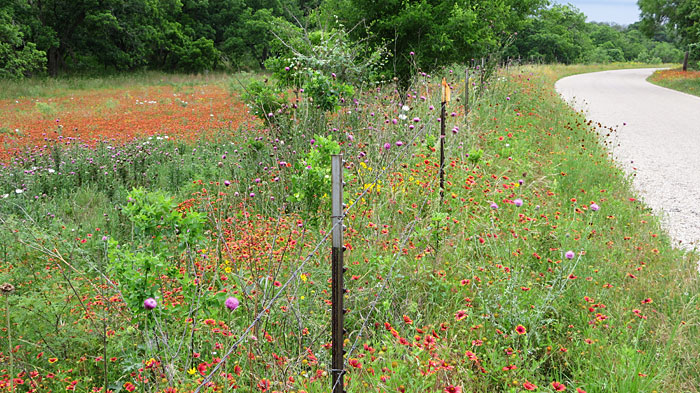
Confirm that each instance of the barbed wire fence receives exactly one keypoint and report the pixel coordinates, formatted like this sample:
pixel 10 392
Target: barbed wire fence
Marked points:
pixel 382 286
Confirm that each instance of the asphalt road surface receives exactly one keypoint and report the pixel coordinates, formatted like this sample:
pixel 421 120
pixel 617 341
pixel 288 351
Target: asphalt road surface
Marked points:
pixel 657 137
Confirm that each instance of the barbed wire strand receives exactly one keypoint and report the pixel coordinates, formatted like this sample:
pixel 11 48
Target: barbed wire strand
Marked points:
pixel 382 285
pixel 296 272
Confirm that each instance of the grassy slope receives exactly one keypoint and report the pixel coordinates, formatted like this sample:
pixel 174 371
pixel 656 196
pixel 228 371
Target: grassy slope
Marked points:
pixel 586 321
pixel 687 82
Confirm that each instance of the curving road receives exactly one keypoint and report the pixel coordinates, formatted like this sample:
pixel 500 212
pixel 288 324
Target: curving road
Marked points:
pixel 657 137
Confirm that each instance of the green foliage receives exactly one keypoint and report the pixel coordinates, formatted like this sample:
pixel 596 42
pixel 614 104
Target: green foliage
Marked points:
pixel 286 71
pixel 556 34
pixel 98 36
pixel 438 33
pixel 18 58
pixel 560 34
pixel 264 99
pixel 311 183
pixel 325 91
pixel 161 234
pixel 680 19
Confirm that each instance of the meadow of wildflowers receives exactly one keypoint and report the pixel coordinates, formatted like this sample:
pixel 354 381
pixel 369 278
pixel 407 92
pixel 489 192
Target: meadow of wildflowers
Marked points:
pixel 687 82
pixel 165 241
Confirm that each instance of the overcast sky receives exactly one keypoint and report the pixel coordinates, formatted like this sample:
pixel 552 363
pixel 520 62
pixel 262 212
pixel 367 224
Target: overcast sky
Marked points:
pixel 621 12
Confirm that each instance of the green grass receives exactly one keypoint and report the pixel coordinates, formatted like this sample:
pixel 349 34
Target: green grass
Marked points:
pixel 443 288
pixel 51 87
pixel 687 82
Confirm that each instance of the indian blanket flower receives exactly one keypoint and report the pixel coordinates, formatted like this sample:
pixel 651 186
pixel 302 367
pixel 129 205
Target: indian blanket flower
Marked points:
pixel 558 386
pixel 527 385
pixel 520 329
pixel 150 303
pixel 232 303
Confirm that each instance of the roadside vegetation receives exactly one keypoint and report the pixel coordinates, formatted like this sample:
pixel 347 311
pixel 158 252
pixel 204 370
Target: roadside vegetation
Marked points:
pixel 687 82
pixel 168 232
pixel 138 264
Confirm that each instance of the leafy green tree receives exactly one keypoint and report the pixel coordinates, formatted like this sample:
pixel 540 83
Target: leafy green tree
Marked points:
pixel 437 32
pixel 680 17
pixel 555 34
pixel 18 57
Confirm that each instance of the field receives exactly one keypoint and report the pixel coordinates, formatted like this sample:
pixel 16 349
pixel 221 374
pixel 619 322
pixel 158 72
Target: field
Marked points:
pixel 157 237
pixel 687 82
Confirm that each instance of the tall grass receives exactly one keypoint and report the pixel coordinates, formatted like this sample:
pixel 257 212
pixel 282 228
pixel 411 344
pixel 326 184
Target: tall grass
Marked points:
pixel 478 293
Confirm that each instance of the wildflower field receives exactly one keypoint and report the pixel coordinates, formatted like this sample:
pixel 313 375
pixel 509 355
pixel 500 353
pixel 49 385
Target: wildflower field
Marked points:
pixel 687 82
pixel 159 237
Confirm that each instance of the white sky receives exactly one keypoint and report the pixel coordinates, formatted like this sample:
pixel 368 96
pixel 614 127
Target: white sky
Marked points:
pixel 621 12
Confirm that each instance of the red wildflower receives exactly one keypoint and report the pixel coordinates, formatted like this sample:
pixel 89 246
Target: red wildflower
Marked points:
pixel 529 386
pixel 355 363
pixel 559 387
pixel 264 385
pixel 202 368
pixel 520 329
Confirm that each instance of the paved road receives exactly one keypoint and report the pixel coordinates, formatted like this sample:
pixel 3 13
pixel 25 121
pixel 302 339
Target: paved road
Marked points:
pixel 658 131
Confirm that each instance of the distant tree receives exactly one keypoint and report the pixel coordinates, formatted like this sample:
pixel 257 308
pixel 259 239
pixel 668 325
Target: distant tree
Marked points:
pixel 680 17
pixel 555 34
pixel 18 57
pixel 438 32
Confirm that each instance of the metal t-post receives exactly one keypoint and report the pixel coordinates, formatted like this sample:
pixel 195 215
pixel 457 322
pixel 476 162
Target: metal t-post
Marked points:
pixel 338 289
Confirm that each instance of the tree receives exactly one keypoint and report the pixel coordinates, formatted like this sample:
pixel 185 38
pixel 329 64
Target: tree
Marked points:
pixel 18 57
pixel 680 17
pixel 555 34
pixel 437 32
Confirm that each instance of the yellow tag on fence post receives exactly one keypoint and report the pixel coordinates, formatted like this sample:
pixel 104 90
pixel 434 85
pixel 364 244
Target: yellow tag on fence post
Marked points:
pixel 445 91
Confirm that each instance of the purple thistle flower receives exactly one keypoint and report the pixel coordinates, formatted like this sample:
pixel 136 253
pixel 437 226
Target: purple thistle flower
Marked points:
pixel 518 202
pixel 232 303
pixel 399 143
pixel 150 303
pixel 387 146
pixel 494 206
pixel 594 207
pixel 569 255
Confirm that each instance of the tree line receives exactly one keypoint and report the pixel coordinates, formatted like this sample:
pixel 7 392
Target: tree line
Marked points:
pixel 103 36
